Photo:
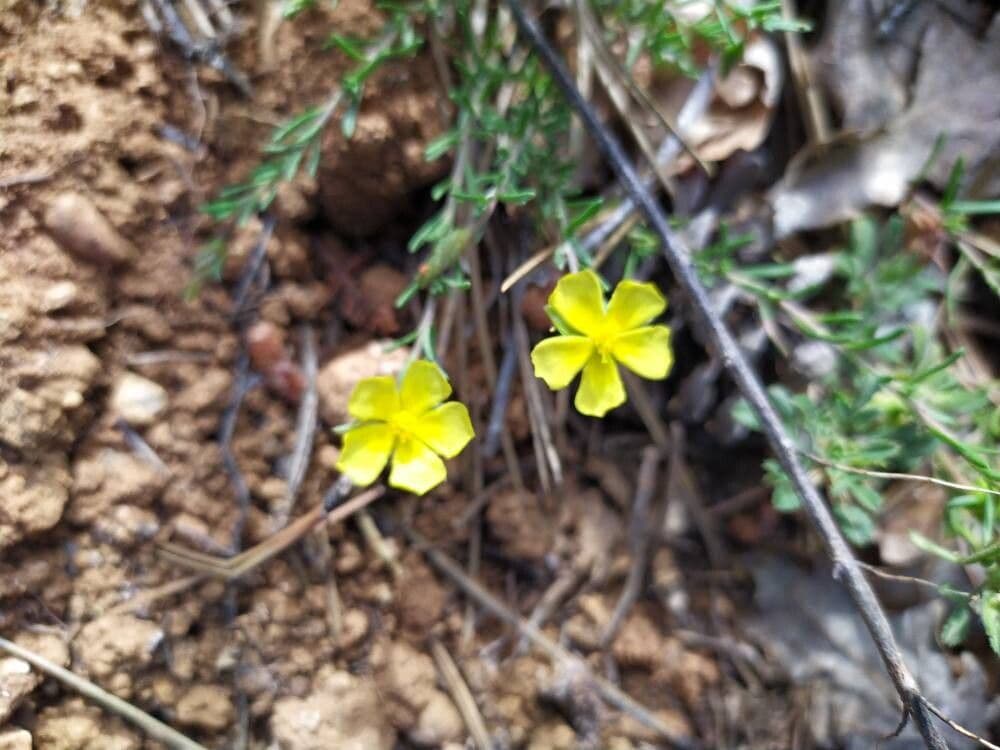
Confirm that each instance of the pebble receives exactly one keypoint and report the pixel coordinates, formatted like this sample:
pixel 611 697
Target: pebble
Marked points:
pixel 15 739
pixel 80 228
pixel 137 400
pixel 439 722
pixel 58 296
pixel 207 707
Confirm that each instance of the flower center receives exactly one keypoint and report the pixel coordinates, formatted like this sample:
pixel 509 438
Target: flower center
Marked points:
pixel 404 424
pixel 602 339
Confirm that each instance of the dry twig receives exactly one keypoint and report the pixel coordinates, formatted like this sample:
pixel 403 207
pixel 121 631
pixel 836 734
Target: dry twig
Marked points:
pixel 641 528
pixel 461 695
pixel 154 728
pixel 231 568
pixel 305 429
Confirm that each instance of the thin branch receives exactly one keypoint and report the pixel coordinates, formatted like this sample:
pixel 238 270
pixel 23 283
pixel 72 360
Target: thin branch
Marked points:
pixel 252 268
pixel 960 729
pixel 305 428
pixel 909 579
pixel 678 256
pixel 137 444
pixel 898 475
pixel 242 384
pixel 28 178
pixel 640 540
pixel 461 695
pixel 230 568
pixel 154 728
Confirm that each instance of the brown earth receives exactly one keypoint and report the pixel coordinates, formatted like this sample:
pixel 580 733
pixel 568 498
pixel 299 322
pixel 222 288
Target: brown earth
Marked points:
pixel 98 205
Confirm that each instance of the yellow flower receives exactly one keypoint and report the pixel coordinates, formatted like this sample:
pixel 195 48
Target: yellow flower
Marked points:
pixel 410 423
pixel 597 336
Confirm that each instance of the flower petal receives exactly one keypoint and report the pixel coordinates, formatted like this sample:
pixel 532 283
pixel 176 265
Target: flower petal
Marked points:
pixel 374 398
pixel 634 303
pixel 645 351
pixel 365 453
pixel 446 429
pixel 601 387
pixel 557 360
pixel 424 387
pixel 579 301
pixel 415 467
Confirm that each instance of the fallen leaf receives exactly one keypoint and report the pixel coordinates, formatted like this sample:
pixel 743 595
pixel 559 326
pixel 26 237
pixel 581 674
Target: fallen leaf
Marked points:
pixel 742 106
pixel 886 147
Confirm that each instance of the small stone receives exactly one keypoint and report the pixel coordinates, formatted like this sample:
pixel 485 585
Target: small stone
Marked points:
pixel 115 643
pixel 207 707
pixel 421 598
pixel 126 525
pixel 109 478
pixel 439 722
pixel 350 558
pixel 137 400
pixel 266 345
pixel 208 391
pixel 15 739
pixel 355 628
pixel 72 725
pixel 33 499
pixel 343 711
pixel 59 295
pixel 80 228
pixel 16 682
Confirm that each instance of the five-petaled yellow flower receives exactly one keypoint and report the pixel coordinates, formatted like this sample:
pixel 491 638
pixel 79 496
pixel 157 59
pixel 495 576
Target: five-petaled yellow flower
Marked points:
pixel 597 336
pixel 408 422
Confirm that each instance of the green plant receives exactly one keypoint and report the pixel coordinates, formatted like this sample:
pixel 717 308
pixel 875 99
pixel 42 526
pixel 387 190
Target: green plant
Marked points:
pixel 509 143
pixel 894 400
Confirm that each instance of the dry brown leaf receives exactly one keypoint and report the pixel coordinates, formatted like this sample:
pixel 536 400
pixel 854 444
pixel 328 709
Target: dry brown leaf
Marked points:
pixel 953 97
pixel 742 106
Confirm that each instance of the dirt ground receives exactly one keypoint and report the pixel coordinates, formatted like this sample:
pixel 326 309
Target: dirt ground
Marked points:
pixel 114 392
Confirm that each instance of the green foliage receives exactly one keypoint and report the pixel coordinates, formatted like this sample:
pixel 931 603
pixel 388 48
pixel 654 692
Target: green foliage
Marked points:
pixel 895 400
pixel 295 145
pixel 673 37
pixel 510 139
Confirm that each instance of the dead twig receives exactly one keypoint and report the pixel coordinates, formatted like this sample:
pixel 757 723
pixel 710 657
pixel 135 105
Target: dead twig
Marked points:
pixel 138 603
pixel 28 178
pixel 252 268
pixel 153 728
pixel 960 729
pixel 643 404
pixel 140 447
pixel 613 695
pixel 461 695
pixel 806 91
pixel 923 582
pixel 495 425
pixel 374 539
pixel 242 385
pixel 640 542
pixel 565 584
pixel 162 17
pixel 305 428
pixel 489 362
pixel 897 475
pixel 678 256
pixel 166 356
pixel 231 568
